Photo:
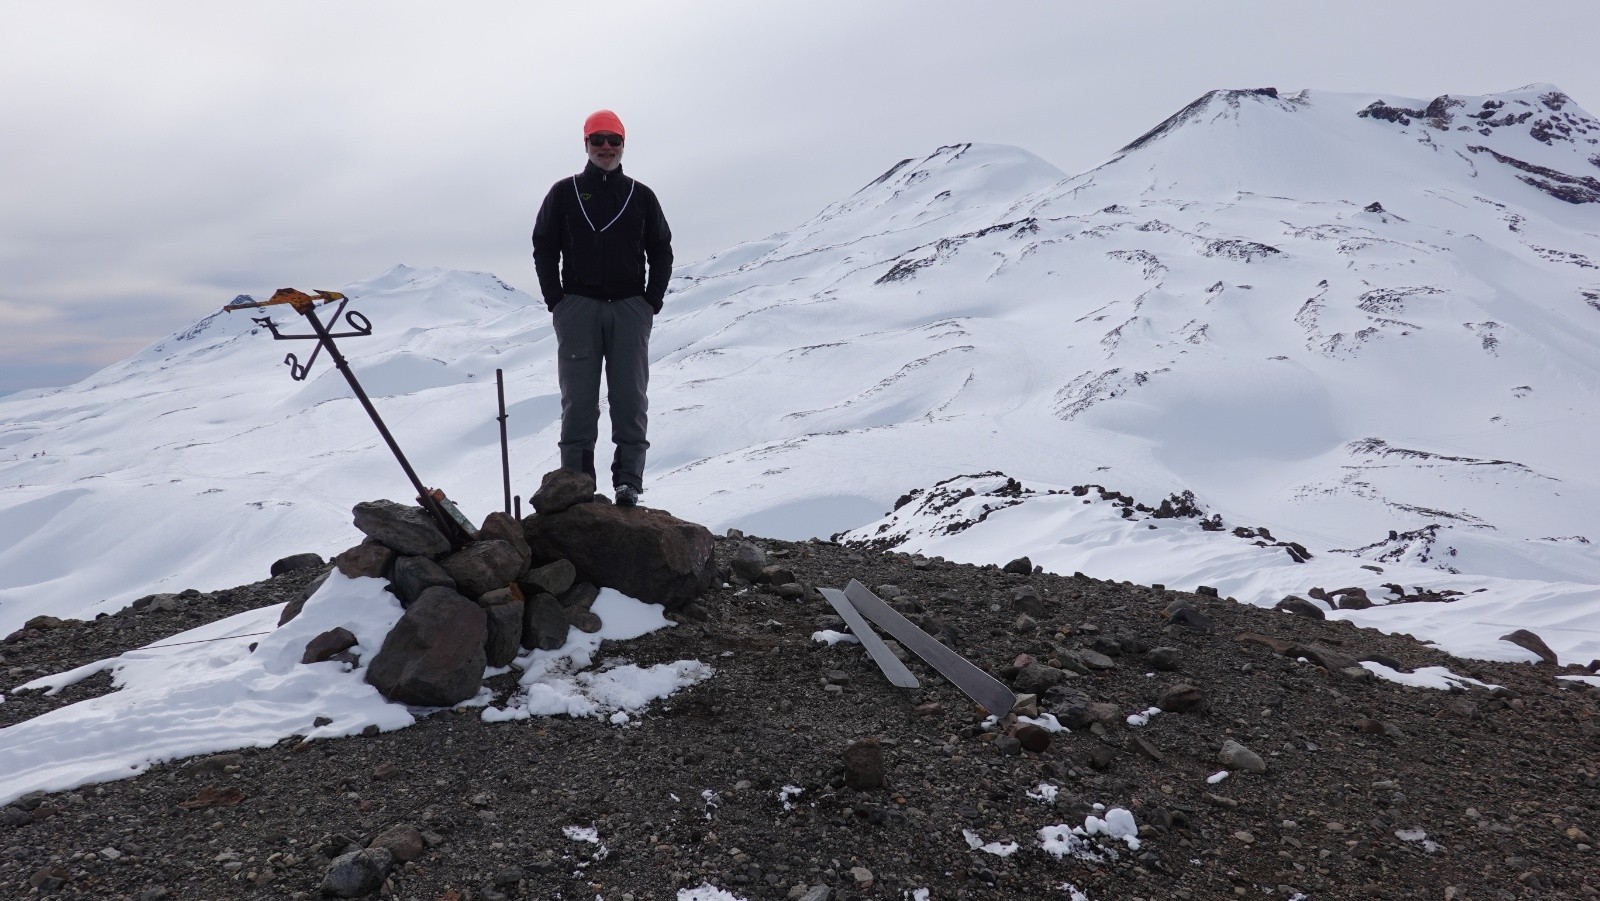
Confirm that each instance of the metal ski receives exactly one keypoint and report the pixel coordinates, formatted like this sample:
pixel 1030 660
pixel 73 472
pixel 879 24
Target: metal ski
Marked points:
pixel 989 692
pixel 881 655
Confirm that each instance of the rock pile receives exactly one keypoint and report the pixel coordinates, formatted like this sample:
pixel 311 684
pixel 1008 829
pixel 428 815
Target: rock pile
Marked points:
pixel 516 585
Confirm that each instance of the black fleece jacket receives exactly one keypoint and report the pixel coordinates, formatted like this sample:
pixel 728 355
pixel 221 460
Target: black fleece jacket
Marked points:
pixel 596 233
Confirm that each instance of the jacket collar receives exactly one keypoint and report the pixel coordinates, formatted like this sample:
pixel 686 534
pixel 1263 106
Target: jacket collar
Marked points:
pixel 590 170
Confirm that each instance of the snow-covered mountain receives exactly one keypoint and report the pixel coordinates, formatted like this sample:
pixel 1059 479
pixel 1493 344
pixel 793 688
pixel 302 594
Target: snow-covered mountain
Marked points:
pixel 1368 325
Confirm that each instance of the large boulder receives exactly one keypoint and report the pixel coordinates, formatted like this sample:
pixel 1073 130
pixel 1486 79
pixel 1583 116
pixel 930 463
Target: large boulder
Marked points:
pixel 646 554
pixel 434 656
pixel 406 529
pixel 483 566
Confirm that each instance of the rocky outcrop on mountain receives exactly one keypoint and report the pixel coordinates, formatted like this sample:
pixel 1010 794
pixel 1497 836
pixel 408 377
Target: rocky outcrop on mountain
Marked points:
pixel 526 583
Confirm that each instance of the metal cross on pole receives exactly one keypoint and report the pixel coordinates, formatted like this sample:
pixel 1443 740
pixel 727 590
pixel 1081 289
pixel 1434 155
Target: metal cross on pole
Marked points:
pixel 455 526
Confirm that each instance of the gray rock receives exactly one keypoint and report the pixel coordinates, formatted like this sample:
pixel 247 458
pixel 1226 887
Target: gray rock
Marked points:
pixel 370 559
pixel 544 623
pixel 1328 658
pixel 1037 677
pixel 357 873
pixel 644 553
pixel 505 527
pixel 12 817
pixel 561 490
pixel 1025 599
pixel 1025 624
pixel 552 578
pixel 1095 659
pixel 483 566
pixel 296 562
pixel 776 574
pixel 748 561
pixel 328 644
pixel 1072 662
pixel 1235 756
pixel 1163 659
pixel 1184 614
pixel 504 623
pixel 1105 644
pixel 1522 638
pixel 434 656
pixel 406 529
pixel 863 765
pixel 509 877
pixel 414 575
pixel 1021 566
pixel 1072 709
pixel 817 893
pixel 1299 606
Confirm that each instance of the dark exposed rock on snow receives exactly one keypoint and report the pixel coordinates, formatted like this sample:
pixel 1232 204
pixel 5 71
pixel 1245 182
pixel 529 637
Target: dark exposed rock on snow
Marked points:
pixel 1522 638
pixel 328 644
pixel 1301 607
pixel 296 561
pixel 434 656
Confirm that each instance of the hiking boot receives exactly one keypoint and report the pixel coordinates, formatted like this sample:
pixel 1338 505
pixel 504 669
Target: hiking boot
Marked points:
pixel 627 496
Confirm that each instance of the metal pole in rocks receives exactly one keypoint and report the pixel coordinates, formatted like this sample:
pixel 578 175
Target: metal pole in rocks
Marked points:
pixel 505 453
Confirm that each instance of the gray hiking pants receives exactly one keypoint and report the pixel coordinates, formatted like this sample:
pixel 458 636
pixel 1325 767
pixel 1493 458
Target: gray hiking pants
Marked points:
pixel 616 334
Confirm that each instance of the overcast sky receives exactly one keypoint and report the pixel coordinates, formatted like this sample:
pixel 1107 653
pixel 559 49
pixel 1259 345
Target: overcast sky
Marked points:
pixel 157 158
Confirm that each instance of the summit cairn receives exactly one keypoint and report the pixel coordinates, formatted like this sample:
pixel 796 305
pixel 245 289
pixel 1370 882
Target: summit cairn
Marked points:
pixel 516 585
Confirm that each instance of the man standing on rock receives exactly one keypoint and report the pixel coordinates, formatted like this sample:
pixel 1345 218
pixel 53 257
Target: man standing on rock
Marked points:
pixel 603 252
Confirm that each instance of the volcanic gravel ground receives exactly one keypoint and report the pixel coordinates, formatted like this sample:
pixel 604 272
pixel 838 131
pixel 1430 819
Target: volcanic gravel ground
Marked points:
pixel 1506 785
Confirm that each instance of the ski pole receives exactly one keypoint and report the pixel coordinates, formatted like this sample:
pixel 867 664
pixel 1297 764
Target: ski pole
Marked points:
pixel 505 453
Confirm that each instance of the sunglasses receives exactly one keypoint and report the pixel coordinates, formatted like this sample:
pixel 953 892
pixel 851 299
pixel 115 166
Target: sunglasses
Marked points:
pixel 613 140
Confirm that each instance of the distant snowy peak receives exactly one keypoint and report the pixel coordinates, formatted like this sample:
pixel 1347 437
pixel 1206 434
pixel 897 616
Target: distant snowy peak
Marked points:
pixel 1213 105
pixel 957 175
pixel 957 188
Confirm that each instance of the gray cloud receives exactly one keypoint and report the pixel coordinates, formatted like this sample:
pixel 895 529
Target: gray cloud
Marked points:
pixel 162 157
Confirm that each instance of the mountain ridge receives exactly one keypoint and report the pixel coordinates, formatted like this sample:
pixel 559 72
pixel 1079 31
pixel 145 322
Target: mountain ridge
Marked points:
pixel 1131 326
